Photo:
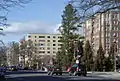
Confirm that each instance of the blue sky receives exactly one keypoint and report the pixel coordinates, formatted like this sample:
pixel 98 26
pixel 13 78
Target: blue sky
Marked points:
pixel 39 16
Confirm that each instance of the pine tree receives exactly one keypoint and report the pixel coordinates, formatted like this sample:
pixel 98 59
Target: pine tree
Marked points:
pixel 67 30
pixel 100 59
pixel 88 56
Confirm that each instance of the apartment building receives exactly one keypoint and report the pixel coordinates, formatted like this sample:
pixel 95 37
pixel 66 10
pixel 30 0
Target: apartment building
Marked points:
pixel 47 44
pixel 103 28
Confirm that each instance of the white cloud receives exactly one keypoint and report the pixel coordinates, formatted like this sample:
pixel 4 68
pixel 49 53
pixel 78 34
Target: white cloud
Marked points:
pixel 31 27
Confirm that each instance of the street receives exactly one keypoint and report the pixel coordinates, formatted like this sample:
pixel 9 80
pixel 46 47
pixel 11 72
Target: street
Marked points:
pixel 42 76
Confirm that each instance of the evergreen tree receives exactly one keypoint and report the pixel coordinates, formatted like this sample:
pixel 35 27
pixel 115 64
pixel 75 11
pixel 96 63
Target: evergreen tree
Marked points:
pixel 67 30
pixel 100 59
pixel 88 56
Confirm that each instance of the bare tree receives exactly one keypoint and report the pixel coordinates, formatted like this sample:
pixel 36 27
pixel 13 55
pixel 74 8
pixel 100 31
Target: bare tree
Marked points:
pixel 88 8
pixel 5 6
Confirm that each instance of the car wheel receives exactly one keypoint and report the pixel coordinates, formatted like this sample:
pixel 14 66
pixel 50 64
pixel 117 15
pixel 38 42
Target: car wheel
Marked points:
pixel 60 73
pixel 56 73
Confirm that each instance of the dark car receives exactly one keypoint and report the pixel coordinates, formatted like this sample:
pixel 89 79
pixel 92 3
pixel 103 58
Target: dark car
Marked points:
pixel 2 76
pixel 54 70
pixel 78 69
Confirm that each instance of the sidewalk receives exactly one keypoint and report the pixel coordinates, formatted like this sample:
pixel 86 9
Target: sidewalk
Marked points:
pixel 111 75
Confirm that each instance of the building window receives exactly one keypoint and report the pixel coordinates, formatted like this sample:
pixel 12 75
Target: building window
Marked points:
pixel 54 37
pixel 54 52
pixel 35 36
pixel 54 48
pixel 41 36
pixel 59 37
pixel 48 44
pixel 41 40
pixel 29 36
pixel 48 36
pixel 48 48
pixel 42 48
pixel 59 44
pixel 41 51
pixel 42 44
pixel 48 40
pixel 59 48
pixel 48 52
pixel 59 40
pixel 54 40
pixel 54 45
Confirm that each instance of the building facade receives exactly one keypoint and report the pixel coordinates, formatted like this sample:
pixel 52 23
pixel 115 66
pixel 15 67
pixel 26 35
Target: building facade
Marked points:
pixel 103 28
pixel 47 45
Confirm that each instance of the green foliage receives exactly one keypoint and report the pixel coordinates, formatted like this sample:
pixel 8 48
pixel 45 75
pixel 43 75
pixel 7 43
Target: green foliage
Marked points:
pixel 67 30
pixel 108 64
pixel 100 59
pixel 88 56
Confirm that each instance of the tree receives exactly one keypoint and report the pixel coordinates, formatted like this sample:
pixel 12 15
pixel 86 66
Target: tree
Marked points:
pixel 111 57
pixel 14 52
pixel 88 8
pixel 27 49
pixel 6 5
pixel 100 59
pixel 67 29
pixel 88 56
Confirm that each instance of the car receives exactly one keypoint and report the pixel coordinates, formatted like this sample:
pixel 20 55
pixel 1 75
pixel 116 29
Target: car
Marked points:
pixel 2 76
pixel 77 69
pixel 55 70
pixel 12 68
pixel 3 69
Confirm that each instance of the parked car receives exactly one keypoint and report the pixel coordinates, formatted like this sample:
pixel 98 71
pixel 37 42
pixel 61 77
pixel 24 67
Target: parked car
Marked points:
pixel 3 69
pixel 54 70
pixel 12 68
pixel 77 69
pixel 2 76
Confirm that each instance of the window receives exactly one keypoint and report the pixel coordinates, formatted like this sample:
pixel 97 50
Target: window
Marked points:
pixel 54 48
pixel 54 37
pixel 59 40
pixel 41 40
pixel 42 48
pixel 59 48
pixel 48 48
pixel 48 44
pixel 42 44
pixel 48 52
pixel 59 44
pixel 48 40
pixel 48 36
pixel 54 45
pixel 59 37
pixel 29 36
pixel 41 51
pixel 54 52
pixel 35 36
pixel 54 40
pixel 41 36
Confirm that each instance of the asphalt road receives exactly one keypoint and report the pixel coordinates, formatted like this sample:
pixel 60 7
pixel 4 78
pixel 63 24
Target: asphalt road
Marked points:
pixel 41 76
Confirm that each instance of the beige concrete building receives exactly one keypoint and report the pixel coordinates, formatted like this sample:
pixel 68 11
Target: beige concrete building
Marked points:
pixel 105 29
pixel 47 44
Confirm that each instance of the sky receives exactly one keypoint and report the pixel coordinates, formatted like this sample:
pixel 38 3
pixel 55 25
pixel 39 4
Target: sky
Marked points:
pixel 38 16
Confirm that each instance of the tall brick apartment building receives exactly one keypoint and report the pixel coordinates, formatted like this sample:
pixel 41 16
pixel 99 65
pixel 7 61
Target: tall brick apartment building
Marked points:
pixel 105 29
